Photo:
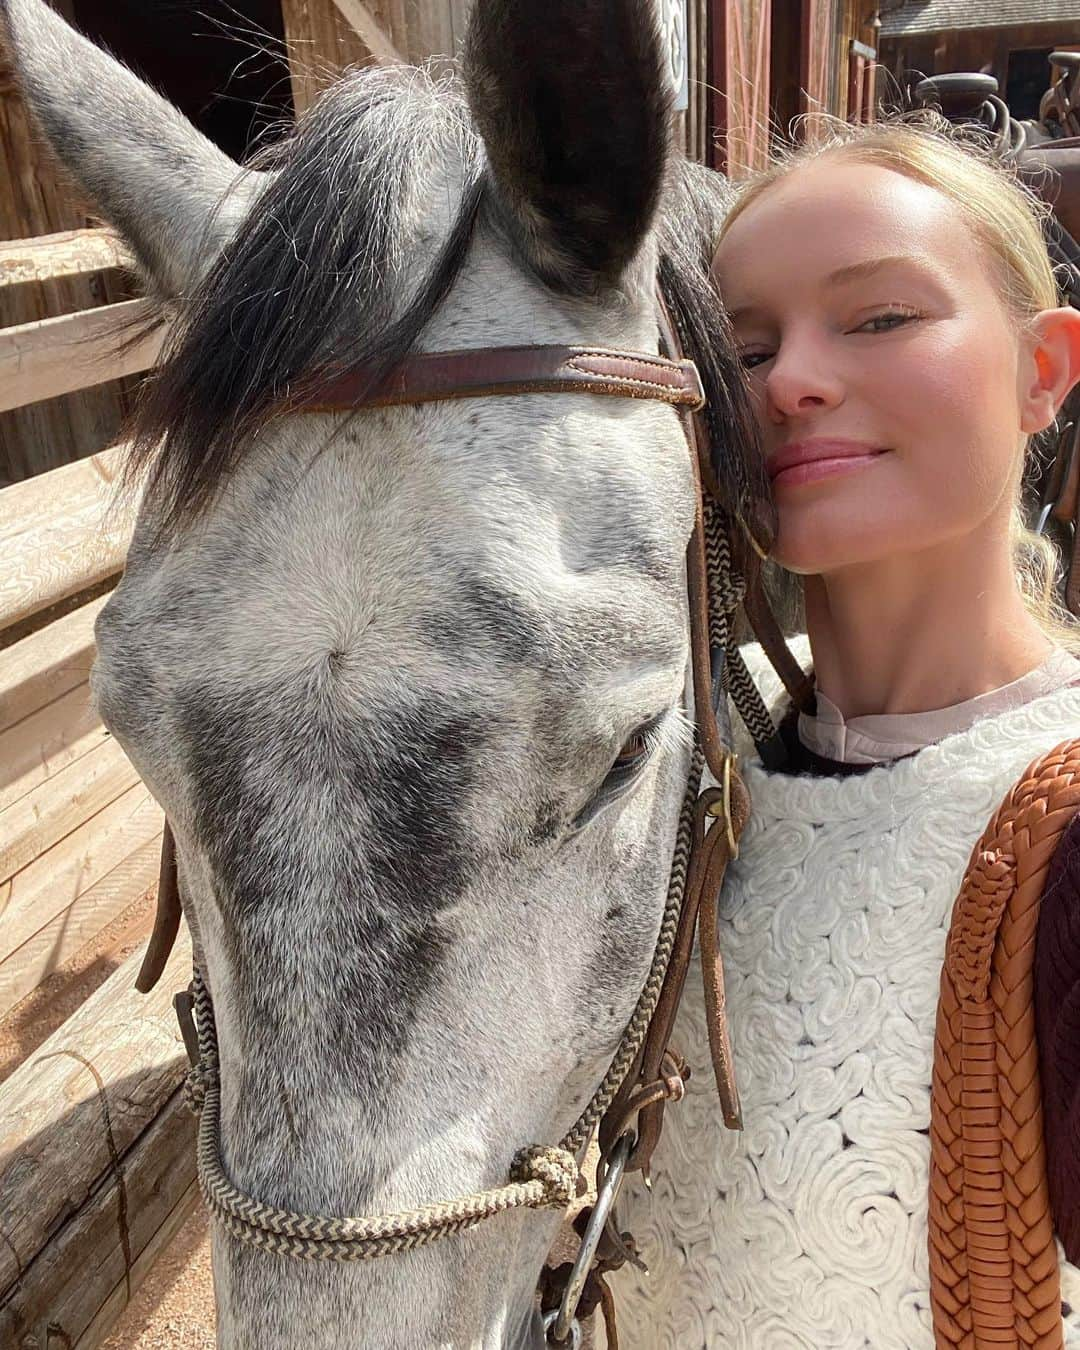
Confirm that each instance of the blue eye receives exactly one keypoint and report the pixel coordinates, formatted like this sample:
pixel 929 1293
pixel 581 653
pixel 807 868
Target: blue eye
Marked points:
pixel 887 322
pixel 751 360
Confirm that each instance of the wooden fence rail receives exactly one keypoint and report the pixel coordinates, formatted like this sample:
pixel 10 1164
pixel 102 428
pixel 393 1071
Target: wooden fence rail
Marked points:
pixel 49 357
pixel 70 253
pixel 98 1165
pixel 61 533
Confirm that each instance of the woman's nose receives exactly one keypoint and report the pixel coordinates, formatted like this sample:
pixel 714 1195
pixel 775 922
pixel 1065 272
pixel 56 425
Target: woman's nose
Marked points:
pixel 800 381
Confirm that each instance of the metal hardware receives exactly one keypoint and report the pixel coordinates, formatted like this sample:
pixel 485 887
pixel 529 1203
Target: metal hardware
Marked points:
pixel 563 1320
pixel 721 809
pixel 574 1343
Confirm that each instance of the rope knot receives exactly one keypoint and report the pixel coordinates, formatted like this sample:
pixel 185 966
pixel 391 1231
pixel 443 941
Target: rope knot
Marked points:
pixel 554 1168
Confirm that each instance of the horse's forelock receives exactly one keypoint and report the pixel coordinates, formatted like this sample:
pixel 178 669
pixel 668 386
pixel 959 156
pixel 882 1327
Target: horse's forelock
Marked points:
pixel 312 282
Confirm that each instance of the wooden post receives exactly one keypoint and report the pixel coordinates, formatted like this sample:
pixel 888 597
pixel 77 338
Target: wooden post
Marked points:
pixel 98 1170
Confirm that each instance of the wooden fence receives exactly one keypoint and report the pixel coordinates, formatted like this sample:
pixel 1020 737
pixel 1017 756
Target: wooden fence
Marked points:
pixel 97 1166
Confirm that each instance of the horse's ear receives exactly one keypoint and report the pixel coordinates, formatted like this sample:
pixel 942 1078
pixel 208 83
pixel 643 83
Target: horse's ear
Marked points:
pixel 171 193
pixel 572 100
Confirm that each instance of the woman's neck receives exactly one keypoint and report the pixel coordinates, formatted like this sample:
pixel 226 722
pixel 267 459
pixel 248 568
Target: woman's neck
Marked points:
pixel 921 631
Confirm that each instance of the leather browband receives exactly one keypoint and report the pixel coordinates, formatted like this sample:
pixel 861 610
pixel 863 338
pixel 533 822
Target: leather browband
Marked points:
pixel 482 372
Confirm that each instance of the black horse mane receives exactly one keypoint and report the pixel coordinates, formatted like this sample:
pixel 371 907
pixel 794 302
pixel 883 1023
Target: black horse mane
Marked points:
pixel 308 288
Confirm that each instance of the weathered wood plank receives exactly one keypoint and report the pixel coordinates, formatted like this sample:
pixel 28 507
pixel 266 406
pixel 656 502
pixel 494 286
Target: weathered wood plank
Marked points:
pixel 459 22
pixel 58 806
pixel 55 879
pixel 45 743
pixel 96 1152
pixel 64 936
pixel 62 532
pixel 70 253
pixel 46 664
pixel 430 29
pixel 374 37
pixel 24 507
pixel 321 45
pixel 161 1188
pixel 36 201
pixel 48 357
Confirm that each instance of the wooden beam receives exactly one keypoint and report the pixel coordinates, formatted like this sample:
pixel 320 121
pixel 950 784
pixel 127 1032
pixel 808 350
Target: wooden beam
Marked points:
pixel 47 664
pixel 48 357
pixel 70 253
pixel 45 743
pixel 374 37
pixel 65 935
pixel 60 533
pixel 59 805
pixel 98 1165
pixel 56 879
pixel 25 506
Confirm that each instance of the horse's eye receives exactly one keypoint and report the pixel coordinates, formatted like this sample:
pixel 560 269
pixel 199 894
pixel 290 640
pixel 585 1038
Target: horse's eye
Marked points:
pixel 633 753
pixel 635 748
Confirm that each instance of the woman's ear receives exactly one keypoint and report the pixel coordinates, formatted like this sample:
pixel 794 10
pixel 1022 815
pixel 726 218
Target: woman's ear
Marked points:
pixel 1053 367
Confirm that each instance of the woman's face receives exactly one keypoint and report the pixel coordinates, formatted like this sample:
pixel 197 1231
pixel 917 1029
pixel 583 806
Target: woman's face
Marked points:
pixel 885 366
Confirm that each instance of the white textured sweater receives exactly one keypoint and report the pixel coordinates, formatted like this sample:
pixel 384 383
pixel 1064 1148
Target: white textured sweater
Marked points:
pixel 809 1228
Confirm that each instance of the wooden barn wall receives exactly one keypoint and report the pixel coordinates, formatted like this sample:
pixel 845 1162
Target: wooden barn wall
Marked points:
pixel 35 200
pixel 775 60
pixel 323 41
pixel 820 56
pixel 742 45
pixel 969 49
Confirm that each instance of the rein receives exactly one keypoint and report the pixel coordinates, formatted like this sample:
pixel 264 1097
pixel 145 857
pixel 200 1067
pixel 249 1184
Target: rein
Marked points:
pixel 645 1074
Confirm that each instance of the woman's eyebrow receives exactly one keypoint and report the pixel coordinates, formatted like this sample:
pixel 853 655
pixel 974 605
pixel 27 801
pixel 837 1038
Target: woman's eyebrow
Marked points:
pixel 861 270
pixel 852 272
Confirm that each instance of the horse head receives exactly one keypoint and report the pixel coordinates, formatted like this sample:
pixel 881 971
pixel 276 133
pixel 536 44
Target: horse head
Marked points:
pixel 407 680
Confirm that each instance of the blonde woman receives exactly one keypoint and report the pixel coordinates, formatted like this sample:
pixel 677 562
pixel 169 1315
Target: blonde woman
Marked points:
pixel 898 319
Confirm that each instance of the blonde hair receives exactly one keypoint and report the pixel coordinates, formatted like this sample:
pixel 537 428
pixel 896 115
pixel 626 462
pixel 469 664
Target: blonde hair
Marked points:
pixel 1004 216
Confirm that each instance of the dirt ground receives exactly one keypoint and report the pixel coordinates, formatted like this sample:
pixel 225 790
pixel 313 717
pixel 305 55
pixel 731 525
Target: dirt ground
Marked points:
pixel 174 1307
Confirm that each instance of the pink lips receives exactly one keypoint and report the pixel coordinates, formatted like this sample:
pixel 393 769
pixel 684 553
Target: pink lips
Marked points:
pixel 801 462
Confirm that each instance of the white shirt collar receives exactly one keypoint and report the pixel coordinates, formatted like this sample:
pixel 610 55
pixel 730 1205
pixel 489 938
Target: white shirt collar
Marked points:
pixel 879 738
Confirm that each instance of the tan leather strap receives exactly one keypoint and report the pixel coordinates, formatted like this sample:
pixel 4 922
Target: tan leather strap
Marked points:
pixel 483 372
pixel 993 1264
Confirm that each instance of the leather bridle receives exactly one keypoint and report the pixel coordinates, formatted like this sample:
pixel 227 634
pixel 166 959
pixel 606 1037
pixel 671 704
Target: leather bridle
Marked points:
pixel 646 1074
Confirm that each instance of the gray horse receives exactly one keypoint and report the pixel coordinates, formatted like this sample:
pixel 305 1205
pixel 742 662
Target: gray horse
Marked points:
pixel 409 683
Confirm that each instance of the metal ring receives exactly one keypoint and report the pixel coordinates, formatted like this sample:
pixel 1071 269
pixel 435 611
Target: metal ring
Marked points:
pixel 729 824
pixel 563 1319
pixel 575 1331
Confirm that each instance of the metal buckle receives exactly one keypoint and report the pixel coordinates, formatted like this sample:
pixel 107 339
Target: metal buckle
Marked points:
pixel 561 1323
pixel 690 367
pixel 575 1331
pixel 721 810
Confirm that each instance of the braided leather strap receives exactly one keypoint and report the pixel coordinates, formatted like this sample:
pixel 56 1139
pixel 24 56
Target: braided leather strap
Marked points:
pixel 993 1264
